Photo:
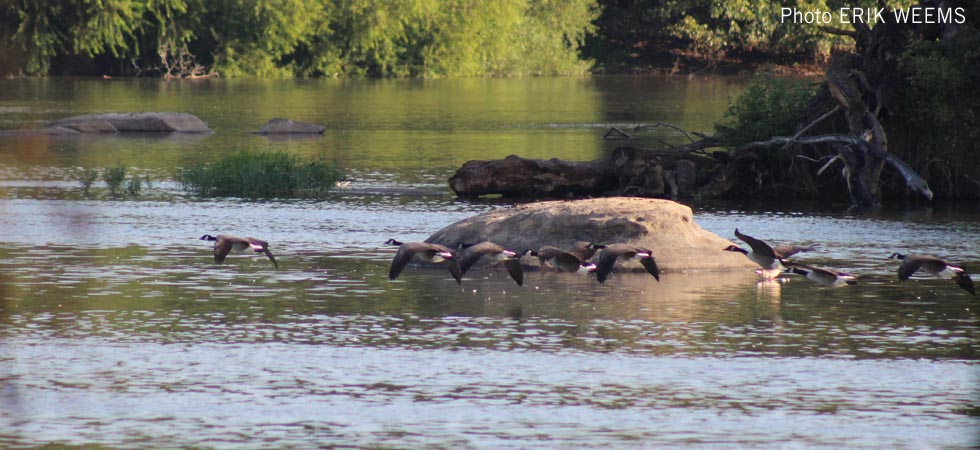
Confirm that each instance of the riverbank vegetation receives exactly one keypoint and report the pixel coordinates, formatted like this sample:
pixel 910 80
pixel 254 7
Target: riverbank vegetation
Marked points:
pixel 255 175
pixel 894 117
pixel 294 38
pixel 413 38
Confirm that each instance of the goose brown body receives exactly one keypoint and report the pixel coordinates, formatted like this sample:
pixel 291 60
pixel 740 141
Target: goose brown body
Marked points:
pixel 938 267
pixel 564 261
pixel 511 260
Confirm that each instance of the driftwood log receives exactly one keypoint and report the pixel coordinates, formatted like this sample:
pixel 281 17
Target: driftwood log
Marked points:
pixel 628 171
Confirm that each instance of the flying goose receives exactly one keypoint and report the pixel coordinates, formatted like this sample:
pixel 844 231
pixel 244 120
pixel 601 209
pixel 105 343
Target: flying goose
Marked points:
pixel 938 267
pixel 224 244
pixel 434 253
pixel 561 260
pixel 627 252
pixel 826 277
pixel 761 254
pixel 511 259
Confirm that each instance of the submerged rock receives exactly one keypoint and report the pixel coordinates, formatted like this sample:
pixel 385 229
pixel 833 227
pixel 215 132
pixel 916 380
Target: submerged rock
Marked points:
pixel 287 126
pixel 141 122
pixel 47 131
pixel 665 227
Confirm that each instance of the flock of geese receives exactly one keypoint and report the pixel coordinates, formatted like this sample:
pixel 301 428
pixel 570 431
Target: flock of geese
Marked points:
pixel 772 261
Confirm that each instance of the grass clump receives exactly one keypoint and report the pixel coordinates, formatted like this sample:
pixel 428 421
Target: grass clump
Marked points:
pixel 87 177
pixel 116 180
pixel 114 176
pixel 250 174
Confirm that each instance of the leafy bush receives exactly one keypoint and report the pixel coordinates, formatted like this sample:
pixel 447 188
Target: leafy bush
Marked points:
pixel 250 174
pixel 769 107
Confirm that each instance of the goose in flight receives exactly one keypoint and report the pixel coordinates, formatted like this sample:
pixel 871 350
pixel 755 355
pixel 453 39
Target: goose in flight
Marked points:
pixel 224 244
pixel 425 251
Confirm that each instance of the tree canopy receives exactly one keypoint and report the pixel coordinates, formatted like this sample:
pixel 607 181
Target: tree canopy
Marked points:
pixel 284 38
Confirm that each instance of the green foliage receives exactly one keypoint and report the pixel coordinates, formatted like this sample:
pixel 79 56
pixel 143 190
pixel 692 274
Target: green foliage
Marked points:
pixel 936 127
pixel 255 175
pixel 284 38
pixel 943 83
pixel 630 31
pixel 769 107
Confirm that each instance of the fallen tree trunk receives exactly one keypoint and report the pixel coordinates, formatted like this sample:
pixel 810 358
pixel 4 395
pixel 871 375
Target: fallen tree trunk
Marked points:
pixel 514 176
pixel 627 171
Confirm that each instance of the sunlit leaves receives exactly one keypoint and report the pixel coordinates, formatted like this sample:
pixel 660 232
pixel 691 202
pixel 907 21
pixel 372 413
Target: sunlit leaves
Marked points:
pixel 282 38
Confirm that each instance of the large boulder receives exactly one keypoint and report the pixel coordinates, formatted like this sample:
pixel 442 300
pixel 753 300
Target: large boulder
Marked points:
pixel 141 122
pixel 287 126
pixel 665 227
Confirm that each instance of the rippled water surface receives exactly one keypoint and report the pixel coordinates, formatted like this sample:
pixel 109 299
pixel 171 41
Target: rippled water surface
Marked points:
pixel 117 330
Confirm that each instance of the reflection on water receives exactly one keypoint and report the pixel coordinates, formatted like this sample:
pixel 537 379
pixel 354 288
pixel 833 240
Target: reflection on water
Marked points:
pixel 117 329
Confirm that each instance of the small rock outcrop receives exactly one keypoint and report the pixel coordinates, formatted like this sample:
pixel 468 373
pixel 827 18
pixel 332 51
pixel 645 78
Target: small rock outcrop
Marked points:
pixel 665 227
pixel 287 126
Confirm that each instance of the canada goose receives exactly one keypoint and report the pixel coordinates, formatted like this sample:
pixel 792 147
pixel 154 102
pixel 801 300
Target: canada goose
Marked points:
pixel 224 244
pixel 938 267
pixel 627 252
pixel 511 259
pixel 761 254
pixel 561 260
pixel 826 277
pixel 428 252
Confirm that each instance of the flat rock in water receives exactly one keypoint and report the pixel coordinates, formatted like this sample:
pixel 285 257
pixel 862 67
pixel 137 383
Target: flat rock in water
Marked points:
pixel 286 126
pixel 663 226
pixel 141 122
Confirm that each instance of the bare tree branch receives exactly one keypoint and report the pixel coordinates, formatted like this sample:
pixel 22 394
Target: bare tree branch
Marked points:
pixel 665 124
pixel 912 179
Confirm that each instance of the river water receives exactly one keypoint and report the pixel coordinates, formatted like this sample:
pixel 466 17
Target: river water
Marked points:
pixel 117 330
